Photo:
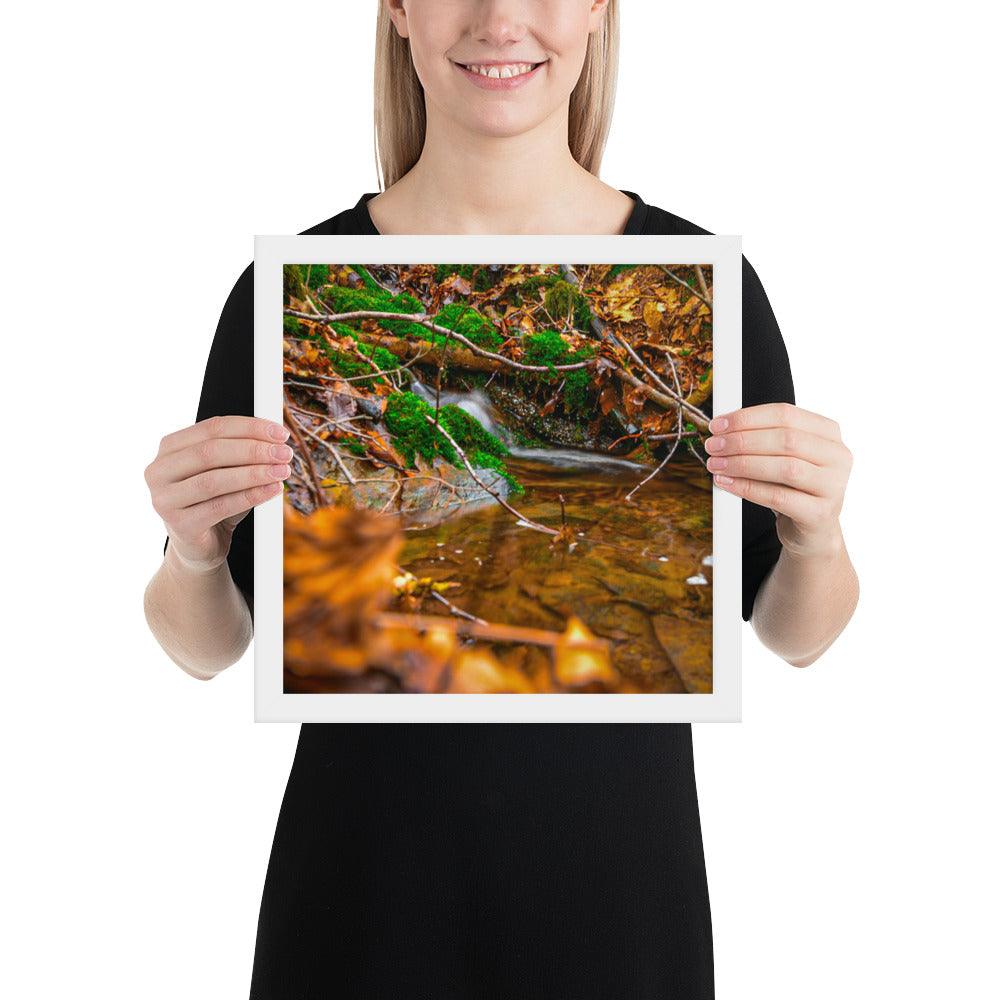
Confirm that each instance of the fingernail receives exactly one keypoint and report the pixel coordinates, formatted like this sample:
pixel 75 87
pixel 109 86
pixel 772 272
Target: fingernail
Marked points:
pixel 718 424
pixel 279 433
pixel 715 444
pixel 716 464
pixel 724 480
pixel 281 452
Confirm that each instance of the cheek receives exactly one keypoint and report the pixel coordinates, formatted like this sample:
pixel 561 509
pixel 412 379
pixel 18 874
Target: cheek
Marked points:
pixel 562 28
pixel 432 34
pixel 428 59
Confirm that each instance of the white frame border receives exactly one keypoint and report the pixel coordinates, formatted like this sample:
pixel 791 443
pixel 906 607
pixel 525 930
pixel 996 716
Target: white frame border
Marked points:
pixel 272 704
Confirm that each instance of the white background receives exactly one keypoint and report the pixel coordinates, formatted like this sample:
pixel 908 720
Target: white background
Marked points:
pixel 848 821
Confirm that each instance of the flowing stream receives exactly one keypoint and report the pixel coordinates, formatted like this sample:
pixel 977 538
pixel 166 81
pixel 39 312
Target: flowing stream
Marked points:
pixel 639 573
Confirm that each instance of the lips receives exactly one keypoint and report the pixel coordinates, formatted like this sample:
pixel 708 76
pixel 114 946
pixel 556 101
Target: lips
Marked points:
pixel 499 76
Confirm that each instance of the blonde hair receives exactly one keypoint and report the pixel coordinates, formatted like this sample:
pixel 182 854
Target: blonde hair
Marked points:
pixel 400 118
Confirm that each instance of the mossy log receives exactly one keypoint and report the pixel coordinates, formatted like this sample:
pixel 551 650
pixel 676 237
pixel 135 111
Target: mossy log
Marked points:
pixel 460 357
pixel 456 356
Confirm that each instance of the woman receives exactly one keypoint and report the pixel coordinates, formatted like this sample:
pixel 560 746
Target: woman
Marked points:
pixel 493 860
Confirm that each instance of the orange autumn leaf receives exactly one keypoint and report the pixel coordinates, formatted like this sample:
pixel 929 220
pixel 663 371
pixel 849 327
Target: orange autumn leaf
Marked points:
pixel 478 671
pixel 576 661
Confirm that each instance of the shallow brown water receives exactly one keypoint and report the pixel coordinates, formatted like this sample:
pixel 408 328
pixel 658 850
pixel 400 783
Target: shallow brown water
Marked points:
pixel 631 577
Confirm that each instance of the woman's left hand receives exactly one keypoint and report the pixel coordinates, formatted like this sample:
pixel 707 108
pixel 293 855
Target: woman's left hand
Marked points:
pixel 789 459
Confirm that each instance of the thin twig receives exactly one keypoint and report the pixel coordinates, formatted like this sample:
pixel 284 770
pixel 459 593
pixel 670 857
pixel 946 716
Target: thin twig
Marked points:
pixel 496 496
pixel 701 283
pixel 293 426
pixel 490 631
pixel 668 399
pixel 655 472
pixel 326 444
pixel 422 320
pixel 371 275
pixel 677 439
pixel 456 610
pixel 681 281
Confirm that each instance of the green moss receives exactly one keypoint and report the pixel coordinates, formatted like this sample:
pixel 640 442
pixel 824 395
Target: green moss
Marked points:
pixel 405 417
pixel 537 281
pixel 561 297
pixel 444 271
pixel 369 282
pixel 290 325
pixel 545 348
pixel 479 276
pixel 356 448
pixel 471 324
pixel 483 460
pixel 548 348
pixel 455 316
pixel 292 280
pixel 350 366
pixel 347 330
pixel 530 286
pixel 384 360
pixel 576 391
pixel 413 434
pixel 316 275
pixel 342 300
pixel 469 433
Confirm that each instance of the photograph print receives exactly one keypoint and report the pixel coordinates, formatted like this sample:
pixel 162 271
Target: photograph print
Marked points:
pixel 498 483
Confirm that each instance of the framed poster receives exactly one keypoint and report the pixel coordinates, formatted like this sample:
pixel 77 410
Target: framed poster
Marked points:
pixel 498 508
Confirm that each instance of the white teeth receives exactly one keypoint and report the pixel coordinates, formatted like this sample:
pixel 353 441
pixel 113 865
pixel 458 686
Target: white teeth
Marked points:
pixel 501 72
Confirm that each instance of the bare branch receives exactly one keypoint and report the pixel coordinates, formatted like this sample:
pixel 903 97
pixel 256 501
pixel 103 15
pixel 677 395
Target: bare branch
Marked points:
pixel 496 496
pixel 681 281
pixel 293 426
pixel 423 320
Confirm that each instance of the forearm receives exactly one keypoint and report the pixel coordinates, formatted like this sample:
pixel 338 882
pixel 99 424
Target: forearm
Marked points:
pixel 199 617
pixel 806 601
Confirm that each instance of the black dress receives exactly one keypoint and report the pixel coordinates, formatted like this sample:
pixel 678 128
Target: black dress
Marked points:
pixel 506 861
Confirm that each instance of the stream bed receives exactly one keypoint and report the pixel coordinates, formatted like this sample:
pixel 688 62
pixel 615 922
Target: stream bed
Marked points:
pixel 640 573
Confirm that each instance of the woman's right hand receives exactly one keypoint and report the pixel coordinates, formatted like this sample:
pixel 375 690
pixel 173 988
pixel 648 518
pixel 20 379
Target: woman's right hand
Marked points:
pixel 206 478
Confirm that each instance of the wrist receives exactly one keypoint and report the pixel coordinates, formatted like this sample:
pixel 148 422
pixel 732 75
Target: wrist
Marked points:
pixel 181 567
pixel 821 542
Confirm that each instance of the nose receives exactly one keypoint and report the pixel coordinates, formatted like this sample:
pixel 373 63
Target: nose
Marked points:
pixel 499 22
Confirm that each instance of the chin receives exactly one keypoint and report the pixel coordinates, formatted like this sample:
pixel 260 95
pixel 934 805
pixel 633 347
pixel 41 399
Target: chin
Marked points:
pixel 500 124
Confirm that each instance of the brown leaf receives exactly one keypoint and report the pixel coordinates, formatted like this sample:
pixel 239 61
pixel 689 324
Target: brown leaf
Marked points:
pixel 634 400
pixel 339 565
pixel 608 399
pixel 652 314
pixel 477 671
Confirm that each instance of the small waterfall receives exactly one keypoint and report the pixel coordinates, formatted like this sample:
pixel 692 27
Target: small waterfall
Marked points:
pixel 477 404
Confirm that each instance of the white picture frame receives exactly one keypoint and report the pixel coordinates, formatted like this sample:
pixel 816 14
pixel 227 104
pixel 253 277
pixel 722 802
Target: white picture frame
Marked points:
pixel 273 704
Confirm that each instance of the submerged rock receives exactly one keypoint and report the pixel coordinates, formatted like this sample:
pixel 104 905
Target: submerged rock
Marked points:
pixel 422 494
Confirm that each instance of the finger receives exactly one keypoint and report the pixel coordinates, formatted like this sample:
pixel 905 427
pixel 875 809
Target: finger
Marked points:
pixel 228 426
pixel 218 482
pixel 776 441
pixel 792 472
pixel 217 453
pixel 198 519
pixel 804 508
pixel 776 415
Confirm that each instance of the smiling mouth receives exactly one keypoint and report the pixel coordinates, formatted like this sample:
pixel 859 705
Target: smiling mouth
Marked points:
pixel 501 71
